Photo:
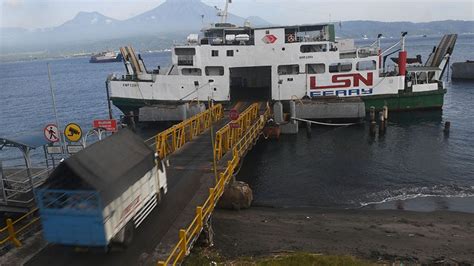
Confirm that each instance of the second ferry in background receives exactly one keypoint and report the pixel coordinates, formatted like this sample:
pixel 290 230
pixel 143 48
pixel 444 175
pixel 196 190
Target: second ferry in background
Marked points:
pixel 106 57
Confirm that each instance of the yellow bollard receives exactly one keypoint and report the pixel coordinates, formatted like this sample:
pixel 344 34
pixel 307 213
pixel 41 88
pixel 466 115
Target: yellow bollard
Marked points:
pixel 12 233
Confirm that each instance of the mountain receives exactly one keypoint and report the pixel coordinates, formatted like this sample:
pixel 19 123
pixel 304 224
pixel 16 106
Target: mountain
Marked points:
pixel 175 18
pixel 184 15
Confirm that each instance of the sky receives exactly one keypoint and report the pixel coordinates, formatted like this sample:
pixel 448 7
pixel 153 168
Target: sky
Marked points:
pixel 49 13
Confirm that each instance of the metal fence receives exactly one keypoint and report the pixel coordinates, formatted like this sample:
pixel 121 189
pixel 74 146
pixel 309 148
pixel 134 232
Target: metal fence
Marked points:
pixel 175 137
pixel 17 187
pixel 231 133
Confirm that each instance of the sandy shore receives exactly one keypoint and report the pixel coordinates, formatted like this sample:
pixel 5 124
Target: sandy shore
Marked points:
pixel 389 235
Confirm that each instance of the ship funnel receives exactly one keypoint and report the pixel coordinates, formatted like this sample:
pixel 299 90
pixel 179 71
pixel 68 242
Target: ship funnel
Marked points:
pixel 402 57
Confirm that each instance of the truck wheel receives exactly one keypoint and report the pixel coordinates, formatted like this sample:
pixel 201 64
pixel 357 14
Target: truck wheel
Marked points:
pixel 128 234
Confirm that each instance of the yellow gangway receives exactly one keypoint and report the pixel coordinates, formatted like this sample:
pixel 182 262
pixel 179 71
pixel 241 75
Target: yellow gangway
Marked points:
pixel 175 137
pixel 188 236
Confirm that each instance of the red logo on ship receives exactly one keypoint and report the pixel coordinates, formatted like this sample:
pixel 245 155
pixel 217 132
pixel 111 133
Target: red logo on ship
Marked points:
pixel 269 39
pixel 344 81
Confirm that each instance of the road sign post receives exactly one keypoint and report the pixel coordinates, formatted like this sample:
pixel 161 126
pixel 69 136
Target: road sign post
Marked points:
pixel 72 149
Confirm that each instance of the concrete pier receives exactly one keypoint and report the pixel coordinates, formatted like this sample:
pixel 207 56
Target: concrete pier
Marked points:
pixel 463 70
pixel 350 109
pixel 158 113
pixel 331 109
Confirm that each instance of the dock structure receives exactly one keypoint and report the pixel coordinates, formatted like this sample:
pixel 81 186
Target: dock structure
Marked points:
pixel 203 154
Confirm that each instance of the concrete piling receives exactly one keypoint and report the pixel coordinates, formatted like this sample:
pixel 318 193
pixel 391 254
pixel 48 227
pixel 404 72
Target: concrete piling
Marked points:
pixel 131 121
pixel 372 114
pixel 385 113
pixel 373 128
pixel 308 129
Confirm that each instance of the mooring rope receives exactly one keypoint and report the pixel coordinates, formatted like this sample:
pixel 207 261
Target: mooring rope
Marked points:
pixel 324 124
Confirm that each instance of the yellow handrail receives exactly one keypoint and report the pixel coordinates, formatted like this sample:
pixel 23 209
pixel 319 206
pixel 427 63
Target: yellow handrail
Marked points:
pixel 191 233
pixel 175 137
pixel 12 232
pixel 227 136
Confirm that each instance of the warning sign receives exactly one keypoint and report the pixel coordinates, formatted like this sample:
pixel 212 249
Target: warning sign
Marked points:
pixel 73 132
pixel 51 133
pixel 234 114
pixel 107 124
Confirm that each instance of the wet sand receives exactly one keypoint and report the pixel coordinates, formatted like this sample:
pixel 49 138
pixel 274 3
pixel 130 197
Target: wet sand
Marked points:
pixel 388 235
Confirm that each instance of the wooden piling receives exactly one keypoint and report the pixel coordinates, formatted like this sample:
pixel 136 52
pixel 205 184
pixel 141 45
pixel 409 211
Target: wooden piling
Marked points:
pixel 308 129
pixel 447 127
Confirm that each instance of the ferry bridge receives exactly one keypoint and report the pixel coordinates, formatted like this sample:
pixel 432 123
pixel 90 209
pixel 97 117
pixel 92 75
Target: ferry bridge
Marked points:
pixel 198 174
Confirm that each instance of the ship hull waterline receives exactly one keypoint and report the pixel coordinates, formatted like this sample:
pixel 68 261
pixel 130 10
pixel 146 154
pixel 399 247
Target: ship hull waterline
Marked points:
pixel 404 101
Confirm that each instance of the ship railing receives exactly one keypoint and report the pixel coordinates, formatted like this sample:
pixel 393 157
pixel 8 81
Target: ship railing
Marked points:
pixel 360 52
pixel 188 236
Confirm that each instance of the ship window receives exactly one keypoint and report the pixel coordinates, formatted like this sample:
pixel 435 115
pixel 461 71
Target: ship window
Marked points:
pixel 313 48
pixel 340 67
pixel 288 69
pixel 185 51
pixel 230 52
pixel 315 68
pixel 214 71
pixel 191 72
pixel 366 65
pixel 215 53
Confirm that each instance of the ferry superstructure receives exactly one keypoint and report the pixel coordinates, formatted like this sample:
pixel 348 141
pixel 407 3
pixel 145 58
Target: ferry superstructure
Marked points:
pixel 228 63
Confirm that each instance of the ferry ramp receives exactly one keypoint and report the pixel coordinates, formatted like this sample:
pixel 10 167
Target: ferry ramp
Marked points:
pixel 170 231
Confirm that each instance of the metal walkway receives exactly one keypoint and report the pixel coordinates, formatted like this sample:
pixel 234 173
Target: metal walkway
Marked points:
pixel 169 232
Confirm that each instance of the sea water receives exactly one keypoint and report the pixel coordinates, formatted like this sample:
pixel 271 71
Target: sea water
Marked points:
pixel 414 166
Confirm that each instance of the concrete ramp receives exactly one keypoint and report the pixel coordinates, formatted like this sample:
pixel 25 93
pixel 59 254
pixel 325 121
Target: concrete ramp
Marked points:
pixel 129 55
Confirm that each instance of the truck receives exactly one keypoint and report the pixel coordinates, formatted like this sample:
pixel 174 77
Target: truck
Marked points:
pixel 99 196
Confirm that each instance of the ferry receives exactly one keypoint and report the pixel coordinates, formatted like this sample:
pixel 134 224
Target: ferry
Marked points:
pixel 228 63
pixel 106 57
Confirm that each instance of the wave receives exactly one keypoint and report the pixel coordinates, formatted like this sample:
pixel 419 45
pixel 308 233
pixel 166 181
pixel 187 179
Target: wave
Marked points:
pixel 444 191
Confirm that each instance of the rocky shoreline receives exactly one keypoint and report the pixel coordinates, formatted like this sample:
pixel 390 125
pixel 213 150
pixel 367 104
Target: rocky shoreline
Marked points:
pixel 376 235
